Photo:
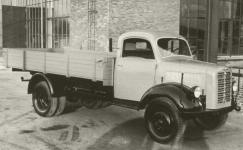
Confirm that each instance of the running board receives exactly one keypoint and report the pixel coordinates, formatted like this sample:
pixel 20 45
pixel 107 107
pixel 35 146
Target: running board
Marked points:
pixel 126 104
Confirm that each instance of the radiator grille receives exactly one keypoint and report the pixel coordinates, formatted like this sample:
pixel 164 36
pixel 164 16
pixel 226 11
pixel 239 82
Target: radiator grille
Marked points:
pixel 224 87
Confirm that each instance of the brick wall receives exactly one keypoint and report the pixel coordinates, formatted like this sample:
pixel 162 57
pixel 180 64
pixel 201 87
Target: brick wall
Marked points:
pixel 152 15
pixel 80 26
pixel 115 17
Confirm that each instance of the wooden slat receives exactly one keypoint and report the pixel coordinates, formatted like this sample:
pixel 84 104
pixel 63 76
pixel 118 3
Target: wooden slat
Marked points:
pixel 56 63
pixel 15 58
pixel 35 61
pixel 97 66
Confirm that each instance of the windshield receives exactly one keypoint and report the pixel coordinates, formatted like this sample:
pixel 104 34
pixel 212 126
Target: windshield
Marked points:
pixel 173 46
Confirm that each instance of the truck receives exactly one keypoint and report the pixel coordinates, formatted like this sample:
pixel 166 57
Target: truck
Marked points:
pixel 124 53
pixel 149 71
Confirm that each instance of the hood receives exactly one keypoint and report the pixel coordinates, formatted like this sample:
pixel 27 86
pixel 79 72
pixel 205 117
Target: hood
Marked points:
pixel 192 73
pixel 188 65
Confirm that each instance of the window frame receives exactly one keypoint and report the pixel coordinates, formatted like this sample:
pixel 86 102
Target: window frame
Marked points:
pixel 232 48
pixel 53 23
pixel 140 38
pixel 180 38
pixel 194 35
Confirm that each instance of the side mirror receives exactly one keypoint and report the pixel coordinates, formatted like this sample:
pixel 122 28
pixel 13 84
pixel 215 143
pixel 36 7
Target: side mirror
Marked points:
pixel 194 57
pixel 194 51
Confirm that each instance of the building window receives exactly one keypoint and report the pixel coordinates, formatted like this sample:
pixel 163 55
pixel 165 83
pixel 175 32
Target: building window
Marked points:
pixel 193 25
pixel 44 23
pixel 34 28
pixel 47 23
pixel 230 27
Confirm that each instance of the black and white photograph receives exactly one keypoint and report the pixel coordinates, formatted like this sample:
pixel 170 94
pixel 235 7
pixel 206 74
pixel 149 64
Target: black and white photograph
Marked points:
pixel 121 74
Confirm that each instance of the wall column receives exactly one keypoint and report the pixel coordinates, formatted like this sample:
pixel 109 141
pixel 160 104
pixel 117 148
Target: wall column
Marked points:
pixel 213 31
pixel 1 28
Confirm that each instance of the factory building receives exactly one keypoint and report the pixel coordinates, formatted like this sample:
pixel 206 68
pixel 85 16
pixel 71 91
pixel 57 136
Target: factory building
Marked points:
pixel 214 28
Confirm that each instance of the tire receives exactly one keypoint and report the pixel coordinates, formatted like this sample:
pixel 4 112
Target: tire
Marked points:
pixel 98 104
pixel 66 106
pixel 72 106
pixel 163 121
pixel 105 104
pixel 92 102
pixel 44 104
pixel 62 106
pixel 212 121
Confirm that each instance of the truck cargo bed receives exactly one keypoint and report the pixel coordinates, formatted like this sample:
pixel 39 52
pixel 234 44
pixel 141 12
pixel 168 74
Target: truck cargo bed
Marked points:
pixel 96 66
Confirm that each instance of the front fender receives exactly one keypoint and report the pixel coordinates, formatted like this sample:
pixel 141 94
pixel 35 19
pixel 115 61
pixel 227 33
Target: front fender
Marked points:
pixel 181 95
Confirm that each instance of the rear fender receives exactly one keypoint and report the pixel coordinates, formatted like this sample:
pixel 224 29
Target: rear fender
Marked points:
pixel 36 78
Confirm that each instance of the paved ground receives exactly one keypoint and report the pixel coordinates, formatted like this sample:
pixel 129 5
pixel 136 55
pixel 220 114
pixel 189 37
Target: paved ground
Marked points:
pixel 1 62
pixel 112 128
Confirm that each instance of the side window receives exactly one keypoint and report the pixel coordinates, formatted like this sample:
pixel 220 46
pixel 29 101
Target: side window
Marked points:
pixel 172 46
pixel 137 48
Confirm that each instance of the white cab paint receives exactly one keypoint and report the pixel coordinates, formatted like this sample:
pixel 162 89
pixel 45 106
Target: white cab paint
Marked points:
pixel 133 77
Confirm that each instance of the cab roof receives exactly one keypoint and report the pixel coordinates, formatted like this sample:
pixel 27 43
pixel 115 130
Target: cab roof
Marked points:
pixel 149 35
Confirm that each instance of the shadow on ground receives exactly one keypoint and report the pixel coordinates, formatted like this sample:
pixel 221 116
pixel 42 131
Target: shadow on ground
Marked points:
pixel 132 135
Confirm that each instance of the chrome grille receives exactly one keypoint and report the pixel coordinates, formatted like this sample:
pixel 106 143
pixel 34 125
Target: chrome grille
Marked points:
pixel 224 87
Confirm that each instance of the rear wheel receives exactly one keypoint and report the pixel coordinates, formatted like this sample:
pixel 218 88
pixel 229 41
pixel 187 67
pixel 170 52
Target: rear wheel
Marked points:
pixel 68 104
pixel 90 102
pixel 96 102
pixel 62 106
pixel 212 121
pixel 44 104
pixel 163 121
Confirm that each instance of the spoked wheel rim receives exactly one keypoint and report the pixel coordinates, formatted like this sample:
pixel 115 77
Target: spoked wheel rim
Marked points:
pixel 41 100
pixel 162 124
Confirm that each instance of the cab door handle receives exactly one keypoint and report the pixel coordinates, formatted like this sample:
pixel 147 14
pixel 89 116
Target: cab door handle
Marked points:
pixel 99 60
pixel 119 65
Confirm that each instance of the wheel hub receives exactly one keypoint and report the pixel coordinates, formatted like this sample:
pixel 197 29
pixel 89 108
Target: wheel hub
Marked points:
pixel 41 101
pixel 162 124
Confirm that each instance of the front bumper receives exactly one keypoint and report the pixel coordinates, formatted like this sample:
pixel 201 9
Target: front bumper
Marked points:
pixel 202 111
pixel 191 114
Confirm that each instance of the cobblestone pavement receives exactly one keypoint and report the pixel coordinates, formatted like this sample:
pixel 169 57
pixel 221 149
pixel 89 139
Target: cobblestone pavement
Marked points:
pixel 112 128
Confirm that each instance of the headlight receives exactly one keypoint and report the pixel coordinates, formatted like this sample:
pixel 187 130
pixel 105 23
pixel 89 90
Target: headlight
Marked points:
pixel 197 91
pixel 235 86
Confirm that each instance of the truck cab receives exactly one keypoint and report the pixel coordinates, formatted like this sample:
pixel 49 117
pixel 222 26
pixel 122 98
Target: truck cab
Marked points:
pixel 139 59
pixel 145 60
pixel 160 73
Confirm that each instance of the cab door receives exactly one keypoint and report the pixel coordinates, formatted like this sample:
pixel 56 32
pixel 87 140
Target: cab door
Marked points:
pixel 135 69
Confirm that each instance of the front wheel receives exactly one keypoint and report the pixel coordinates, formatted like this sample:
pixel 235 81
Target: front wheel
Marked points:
pixel 211 121
pixel 163 121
